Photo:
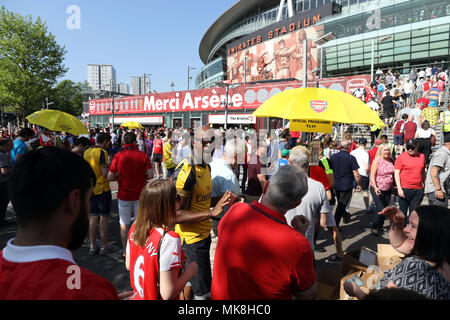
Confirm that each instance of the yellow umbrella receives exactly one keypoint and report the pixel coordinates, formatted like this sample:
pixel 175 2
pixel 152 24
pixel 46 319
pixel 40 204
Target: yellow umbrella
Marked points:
pixel 56 120
pixel 132 125
pixel 315 109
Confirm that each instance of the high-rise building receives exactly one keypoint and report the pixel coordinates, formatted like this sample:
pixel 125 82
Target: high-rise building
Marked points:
pixel 101 77
pixel 138 86
pixel 123 88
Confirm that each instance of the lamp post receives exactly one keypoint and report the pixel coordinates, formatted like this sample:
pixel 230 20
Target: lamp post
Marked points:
pixel 320 42
pixel 48 103
pixel 149 82
pixel 373 55
pixel 172 84
pixel 188 77
pixel 226 84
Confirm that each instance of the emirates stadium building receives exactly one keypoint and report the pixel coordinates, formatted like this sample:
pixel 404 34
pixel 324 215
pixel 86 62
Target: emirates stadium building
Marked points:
pixel 263 47
pixel 366 34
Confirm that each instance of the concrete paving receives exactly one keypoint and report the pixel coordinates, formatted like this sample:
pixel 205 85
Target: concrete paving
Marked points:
pixel 355 234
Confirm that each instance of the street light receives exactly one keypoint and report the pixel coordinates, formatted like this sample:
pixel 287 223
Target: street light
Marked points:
pixel 188 77
pixel 149 82
pixel 373 57
pixel 172 84
pixel 48 103
pixel 226 84
pixel 320 42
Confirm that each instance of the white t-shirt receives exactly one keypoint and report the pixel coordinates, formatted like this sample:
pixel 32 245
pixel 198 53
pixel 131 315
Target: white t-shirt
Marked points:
pixel 313 204
pixel 421 74
pixel 373 105
pixel 425 133
pixel 362 157
pixel 408 87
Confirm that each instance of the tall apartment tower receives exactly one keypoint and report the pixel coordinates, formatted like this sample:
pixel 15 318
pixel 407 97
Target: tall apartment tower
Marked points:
pixel 138 86
pixel 123 88
pixel 102 77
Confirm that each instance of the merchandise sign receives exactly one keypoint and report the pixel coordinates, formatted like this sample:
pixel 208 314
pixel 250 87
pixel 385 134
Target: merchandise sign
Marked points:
pixel 303 125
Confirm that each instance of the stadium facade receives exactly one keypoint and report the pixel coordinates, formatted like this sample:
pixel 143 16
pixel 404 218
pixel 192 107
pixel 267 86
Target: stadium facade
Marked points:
pixel 405 34
pixel 261 50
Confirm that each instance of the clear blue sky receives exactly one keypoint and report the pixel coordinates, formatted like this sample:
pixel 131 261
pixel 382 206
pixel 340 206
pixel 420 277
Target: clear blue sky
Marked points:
pixel 160 37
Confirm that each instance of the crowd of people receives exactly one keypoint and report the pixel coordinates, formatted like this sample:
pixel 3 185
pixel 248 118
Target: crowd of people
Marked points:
pixel 180 191
pixel 225 214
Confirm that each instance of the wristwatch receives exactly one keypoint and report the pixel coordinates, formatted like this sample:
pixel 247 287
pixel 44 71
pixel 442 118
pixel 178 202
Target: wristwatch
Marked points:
pixel 437 189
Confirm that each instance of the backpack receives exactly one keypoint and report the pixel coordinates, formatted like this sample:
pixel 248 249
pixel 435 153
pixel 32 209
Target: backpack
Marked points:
pixel 380 88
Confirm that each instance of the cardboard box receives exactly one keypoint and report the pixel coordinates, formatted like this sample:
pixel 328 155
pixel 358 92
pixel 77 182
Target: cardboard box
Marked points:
pixel 328 284
pixel 353 261
pixel 387 256
pixel 362 276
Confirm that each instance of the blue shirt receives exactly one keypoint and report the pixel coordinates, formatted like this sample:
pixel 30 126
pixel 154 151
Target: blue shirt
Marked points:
pixel 343 165
pixel 223 179
pixel 19 147
pixel 283 162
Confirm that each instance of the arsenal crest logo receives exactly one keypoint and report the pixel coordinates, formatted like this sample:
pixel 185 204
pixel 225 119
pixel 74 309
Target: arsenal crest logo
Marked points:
pixel 318 106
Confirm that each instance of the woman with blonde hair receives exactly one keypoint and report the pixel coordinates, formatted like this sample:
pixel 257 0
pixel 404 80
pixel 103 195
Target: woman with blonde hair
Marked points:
pixel 381 185
pixel 154 255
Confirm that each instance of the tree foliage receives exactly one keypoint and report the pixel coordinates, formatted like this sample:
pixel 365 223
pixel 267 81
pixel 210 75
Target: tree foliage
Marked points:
pixel 67 96
pixel 31 61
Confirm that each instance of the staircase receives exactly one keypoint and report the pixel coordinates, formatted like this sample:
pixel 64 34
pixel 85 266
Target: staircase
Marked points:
pixel 359 131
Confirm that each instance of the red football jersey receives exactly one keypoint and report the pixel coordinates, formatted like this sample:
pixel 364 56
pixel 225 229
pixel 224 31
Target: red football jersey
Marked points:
pixel 158 146
pixel 318 174
pixel 38 278
pixel 144 266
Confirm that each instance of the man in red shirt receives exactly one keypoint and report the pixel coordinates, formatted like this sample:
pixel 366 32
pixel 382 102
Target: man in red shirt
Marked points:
pixel 52 209
pixel 131 168
pixel 409 128
pixel 157 156
pixel 424 100
pixel 409 174
pixel 258 255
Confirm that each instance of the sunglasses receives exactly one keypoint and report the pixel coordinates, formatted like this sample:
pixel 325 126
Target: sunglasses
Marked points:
pixel 410 147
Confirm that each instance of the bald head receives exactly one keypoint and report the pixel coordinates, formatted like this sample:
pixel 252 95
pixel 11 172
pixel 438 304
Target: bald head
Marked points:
pixel 345 145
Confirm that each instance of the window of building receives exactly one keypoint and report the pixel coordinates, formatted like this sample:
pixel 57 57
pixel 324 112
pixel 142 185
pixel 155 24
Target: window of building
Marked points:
pixel 418 55
pixel 439 52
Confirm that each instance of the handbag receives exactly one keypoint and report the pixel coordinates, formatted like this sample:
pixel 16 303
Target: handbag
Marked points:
pixel 433 140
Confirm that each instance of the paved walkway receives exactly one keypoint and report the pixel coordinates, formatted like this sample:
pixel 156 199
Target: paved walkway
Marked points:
pixel 355 234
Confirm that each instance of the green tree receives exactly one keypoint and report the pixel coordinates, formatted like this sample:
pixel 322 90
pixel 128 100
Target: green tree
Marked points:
pixel 67 96
pixel 30 62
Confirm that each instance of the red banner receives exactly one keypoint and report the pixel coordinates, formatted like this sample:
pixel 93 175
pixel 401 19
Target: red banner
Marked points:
pixel 239 98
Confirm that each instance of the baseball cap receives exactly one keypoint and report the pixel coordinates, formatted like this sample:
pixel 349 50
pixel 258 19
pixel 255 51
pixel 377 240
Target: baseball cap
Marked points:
pixel 285 152
pixel 447 138
pixel 411 143
pixel 362 141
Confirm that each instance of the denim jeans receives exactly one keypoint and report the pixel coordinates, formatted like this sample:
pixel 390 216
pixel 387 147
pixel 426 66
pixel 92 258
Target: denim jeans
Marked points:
pixel 381 201
pixel 4 200
pixel 413 198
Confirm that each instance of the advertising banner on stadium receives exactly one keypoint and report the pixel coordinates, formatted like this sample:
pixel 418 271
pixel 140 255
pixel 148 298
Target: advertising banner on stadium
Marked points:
pixel 240 98
pixel 278 58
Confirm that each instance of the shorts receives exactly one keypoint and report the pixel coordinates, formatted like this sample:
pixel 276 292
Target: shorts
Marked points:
pixel 157 157
pixel 331 221
pixel 364 183
pixel 389 114
pixel 399 139
pixel 199 252
pixel 126 209
pixel 101 204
